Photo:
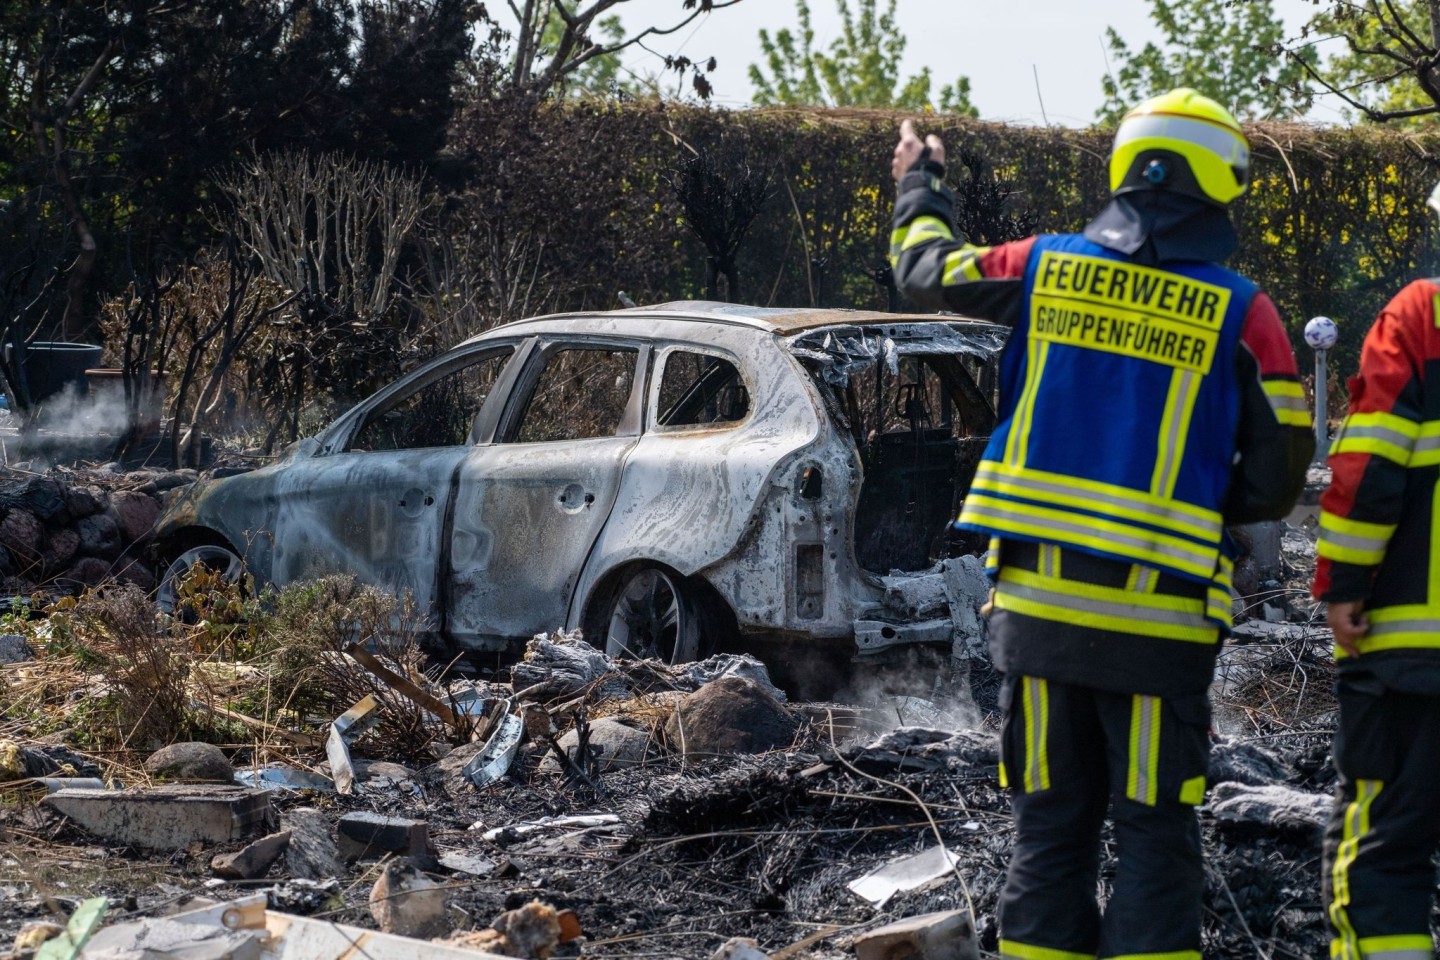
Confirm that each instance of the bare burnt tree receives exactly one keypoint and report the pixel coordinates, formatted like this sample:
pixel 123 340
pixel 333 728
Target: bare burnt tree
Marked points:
pixel 1391 42
pixel 347 219
pixel 722 193
pixel 216 323
pixel 149 316
pixel 555 38
pixel 481 272
pixel 983 207
pixel 338 230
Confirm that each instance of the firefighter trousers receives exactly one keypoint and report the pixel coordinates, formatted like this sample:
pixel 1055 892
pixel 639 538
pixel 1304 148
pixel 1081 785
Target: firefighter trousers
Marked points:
pixel 1379 880
pixel 1068 753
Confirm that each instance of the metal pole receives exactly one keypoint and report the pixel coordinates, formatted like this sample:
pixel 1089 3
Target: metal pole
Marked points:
pixel 1322 432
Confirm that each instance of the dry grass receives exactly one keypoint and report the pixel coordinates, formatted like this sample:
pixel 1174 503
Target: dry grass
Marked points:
pixel 116 679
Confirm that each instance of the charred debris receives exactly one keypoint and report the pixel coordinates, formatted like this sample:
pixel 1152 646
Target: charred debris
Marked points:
pixel 354 793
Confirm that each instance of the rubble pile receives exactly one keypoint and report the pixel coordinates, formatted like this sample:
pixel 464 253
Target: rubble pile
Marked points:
pixel 590 807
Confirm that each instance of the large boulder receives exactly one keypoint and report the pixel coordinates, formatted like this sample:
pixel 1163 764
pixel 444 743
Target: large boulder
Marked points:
pixel 21 533
pixel 99 535
pixel 190 761
pixel 135 514
pixel 41 497
pixel 61 545
pixel 730 716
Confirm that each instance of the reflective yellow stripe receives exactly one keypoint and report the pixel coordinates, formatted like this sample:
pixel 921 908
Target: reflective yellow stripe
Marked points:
pixel 1409 626
pixel 1121 502
pixel 1192 791
pixel 963 266
pixel 1356 825
pixel 1142 579
pixel 1142 782
pixel 1024 951
pixel 1106 608
pixel 1174 431
pixel 1380 434
pixel 1287 400
pixel 1432 592
pixel 1049 560
pixel 992 556
pixel 918 231
pixel 1018 443
pixel 1219 598
pixel 1036 702
pixel 1404 946
pixel 1353 541
pixel 1426 452
pixel 1108 537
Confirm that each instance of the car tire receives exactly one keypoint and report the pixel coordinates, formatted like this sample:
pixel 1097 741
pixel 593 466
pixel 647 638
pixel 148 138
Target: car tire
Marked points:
pixel 657 614
pixel 216 556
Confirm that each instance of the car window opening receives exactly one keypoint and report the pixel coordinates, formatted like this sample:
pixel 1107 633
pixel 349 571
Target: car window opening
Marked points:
pixel 581 394
pixel 697 389
pixel 920 422
pixel 438 414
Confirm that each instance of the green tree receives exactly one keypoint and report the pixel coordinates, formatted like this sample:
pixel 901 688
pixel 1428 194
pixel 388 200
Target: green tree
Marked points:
pixel 861 68
pixel 1389 68
pixel 1227 51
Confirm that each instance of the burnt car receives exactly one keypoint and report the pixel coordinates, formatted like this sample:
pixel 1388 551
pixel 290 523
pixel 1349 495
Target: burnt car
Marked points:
pixel 674 480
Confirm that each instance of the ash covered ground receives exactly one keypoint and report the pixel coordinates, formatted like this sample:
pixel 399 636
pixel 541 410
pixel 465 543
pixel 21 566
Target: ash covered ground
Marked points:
pixel 715 816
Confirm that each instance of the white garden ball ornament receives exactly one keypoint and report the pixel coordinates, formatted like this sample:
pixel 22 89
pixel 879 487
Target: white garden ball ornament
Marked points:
pixel 1321 333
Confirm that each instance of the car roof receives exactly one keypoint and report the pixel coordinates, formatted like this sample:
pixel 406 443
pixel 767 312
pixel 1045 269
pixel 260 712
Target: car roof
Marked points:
pixel 778 320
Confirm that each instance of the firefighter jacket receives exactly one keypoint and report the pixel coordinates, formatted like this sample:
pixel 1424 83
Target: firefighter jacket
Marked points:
pixel 1126 391
pixel 1378 533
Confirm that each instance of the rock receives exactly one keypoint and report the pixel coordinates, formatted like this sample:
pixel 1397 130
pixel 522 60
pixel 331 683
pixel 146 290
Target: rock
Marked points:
pixel 14 649
pixel 202 762
pixel 371 769
pixel 61 545
pixel 252 862
pixel 137 574
pixel 41 497
pixel 311 853
pixel 949 935
pixel 407 904
pixel 612 744
pixel 729 716
pixel 81 502
pixel 530 931
pixel 87 572
pixel 365 835
pixel 21 533
pixel 99 535
pixel 166 817
pixel 1271 807
pixel 135 514
pixel 740 948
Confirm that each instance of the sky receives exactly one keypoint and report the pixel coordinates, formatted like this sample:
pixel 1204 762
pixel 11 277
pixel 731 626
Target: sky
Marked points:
pixel 1002 47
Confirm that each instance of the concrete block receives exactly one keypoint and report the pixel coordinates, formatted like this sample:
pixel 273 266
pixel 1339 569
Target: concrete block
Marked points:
pixel 949 935
pixel 365 835
pixel 169 816
pixel 254 860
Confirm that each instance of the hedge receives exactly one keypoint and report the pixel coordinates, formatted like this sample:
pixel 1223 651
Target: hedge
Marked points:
pixel 1335 221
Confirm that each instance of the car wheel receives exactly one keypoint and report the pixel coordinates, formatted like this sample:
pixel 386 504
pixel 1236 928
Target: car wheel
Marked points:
pixel 654 616
pixel 217 558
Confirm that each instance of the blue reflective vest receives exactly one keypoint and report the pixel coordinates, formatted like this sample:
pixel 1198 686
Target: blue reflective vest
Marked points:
pixel 1119 406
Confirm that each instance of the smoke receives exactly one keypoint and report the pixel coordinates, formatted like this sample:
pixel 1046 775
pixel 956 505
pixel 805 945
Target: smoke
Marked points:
pixel 73 414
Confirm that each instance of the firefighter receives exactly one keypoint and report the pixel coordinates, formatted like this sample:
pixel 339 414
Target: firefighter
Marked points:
pixel 1379 569
pixel 1148 399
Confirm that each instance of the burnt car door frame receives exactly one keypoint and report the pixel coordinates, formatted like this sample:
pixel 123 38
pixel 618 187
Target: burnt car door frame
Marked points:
pixel 558 493
pixel 379 514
